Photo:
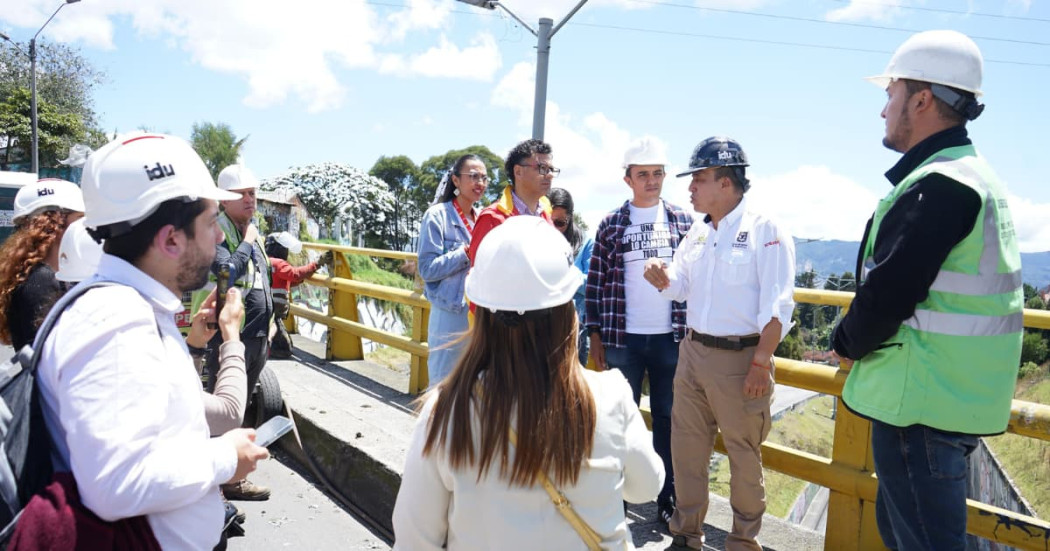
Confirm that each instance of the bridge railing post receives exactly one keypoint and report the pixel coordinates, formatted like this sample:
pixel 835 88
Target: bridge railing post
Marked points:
pixel 343 345
pixel 418 377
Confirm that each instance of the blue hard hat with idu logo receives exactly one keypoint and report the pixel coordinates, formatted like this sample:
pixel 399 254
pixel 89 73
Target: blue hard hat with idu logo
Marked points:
pixel 716 151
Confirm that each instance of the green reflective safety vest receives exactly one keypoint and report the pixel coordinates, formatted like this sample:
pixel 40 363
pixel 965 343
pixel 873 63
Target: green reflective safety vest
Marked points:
pixel 245 281
pixel 953 364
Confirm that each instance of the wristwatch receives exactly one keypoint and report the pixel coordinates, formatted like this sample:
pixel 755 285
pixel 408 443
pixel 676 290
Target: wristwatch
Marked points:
pixel 197 352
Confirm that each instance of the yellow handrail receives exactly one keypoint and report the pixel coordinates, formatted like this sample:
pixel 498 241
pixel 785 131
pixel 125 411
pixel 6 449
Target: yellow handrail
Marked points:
pixel 848 474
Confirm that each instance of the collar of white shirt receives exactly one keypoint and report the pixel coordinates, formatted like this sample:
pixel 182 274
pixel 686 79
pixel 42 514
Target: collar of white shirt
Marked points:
pixel 112 268
pixel 733 217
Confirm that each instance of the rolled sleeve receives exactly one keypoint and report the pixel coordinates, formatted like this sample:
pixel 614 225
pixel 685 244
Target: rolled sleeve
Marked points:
pixel 776 276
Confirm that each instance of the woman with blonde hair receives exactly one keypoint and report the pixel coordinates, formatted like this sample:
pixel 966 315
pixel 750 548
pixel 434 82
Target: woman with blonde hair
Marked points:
pixel 28 288
pixel 519 425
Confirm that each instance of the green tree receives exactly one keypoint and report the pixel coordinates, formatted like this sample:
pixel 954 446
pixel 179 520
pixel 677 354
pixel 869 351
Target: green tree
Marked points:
pixel 65 108
pixel 434 168
pixel 402 177
pixel 792 346
pixel 1035 303
pixel 56 131
pixel 217 145
pixel 1029 291
pixel 806 280
pixel 1033 348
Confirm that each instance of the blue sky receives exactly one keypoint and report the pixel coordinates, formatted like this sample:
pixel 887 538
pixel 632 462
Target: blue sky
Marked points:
pixel 349 81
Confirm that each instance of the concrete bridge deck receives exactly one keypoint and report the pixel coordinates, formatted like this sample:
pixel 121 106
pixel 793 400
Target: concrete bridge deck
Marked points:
pixel 355 420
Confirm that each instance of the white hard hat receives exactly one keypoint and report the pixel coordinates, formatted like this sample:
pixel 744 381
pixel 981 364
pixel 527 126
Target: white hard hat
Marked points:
pixel 646 151
pixel 939 57
pixel 523 264
pixel 128 178
pixel 237 177
pixel 78 254
pixel 44 195
pixel 289 242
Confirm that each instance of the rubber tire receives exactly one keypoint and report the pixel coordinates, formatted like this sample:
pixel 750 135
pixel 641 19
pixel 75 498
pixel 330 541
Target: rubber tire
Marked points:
pixel 266 400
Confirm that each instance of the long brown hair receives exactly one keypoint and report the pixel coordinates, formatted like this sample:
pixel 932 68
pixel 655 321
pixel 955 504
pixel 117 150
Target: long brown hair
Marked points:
pixel 525 367
pixel 22 251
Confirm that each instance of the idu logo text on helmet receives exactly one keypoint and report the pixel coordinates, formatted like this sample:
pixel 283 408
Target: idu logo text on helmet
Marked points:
pixel 45 191
pixel 725 155
pixel 159 171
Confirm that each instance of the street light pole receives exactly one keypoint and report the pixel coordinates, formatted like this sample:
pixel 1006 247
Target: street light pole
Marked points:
pixel 543 35
pixel 32 85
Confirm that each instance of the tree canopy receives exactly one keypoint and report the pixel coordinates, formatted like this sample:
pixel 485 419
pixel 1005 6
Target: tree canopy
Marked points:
pixel 329 190
pixel 217 145
pixel 65 108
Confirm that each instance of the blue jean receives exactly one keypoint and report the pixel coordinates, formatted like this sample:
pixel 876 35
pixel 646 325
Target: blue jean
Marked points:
pixel 921 502
pixel 444 330
pixel 657 354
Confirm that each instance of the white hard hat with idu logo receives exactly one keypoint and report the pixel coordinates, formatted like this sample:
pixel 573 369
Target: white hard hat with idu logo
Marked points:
pixel 237 177
pixel 646 151
pixel 44 195
pixel 523 264
pixel 949 58
pixel 78 254
pixel 127 179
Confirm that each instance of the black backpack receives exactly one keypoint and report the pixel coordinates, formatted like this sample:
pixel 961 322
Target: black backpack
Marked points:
pixel 25 443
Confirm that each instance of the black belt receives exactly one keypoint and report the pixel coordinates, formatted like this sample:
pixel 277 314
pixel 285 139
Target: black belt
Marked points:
pixel 724 343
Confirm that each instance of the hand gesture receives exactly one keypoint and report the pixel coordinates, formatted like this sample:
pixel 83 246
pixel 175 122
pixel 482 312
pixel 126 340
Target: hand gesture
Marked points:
pixel 200 334
pixel 251 234
pixel 231 316
pixel 248 454
pixel 328 258
pixel 655 272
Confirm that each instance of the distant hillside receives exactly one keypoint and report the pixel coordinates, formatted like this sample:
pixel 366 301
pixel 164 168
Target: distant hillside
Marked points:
pixel 836 257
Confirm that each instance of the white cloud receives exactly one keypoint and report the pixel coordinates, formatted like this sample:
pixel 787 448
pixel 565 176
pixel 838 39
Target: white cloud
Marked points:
pixel 861 10
pixel 280 52
pixel 1033 233
pixel 814 202
pixel 479 61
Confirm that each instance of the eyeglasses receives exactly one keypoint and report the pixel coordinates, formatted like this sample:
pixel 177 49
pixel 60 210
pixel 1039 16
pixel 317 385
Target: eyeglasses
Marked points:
pixel 476 176
pixel 544 170
pixel 560 223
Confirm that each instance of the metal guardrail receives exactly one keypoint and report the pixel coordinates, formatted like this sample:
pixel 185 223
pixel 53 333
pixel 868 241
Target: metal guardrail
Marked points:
pixel 849 473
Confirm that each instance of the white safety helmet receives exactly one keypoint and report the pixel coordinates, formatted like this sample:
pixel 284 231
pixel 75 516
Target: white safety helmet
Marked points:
pixel 949 58
pixel 128 178
pixel 646 151
pixel 289 242
pixel 237 177
pixel 44 195
pixel 78 254
pixel 523 264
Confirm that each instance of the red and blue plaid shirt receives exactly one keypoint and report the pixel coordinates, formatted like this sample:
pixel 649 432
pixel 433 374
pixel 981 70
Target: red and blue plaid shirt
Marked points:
pixel 606 301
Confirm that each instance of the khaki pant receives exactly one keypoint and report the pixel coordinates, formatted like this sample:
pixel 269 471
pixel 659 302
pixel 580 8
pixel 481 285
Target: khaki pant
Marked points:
pixel 708 397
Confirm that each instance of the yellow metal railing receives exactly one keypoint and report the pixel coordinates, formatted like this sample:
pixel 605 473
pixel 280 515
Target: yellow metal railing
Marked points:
pixel 849 473
pixel 345 329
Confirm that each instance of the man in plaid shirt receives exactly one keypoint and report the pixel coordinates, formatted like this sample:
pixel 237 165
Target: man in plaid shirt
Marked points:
pixel 631 327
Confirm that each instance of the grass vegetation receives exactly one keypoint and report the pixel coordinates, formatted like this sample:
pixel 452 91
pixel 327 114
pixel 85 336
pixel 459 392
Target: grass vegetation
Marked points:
pixel 390 357
pixel 1027 460
pixel 810 429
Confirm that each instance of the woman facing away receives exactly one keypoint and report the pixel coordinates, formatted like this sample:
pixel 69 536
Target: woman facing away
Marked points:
pixel 28 288
pixel 562 217
pixel 444 237
pixel 467 484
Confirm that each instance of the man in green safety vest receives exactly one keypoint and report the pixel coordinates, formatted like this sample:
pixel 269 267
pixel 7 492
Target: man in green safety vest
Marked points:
pixel 933 338
pixel 243 253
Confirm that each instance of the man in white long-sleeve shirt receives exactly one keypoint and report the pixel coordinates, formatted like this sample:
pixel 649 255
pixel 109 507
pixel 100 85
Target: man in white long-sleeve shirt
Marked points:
pixel 736 268
pixel 121 396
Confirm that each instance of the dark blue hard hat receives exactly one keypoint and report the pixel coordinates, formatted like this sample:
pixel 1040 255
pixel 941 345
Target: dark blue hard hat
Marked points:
pixel 716 151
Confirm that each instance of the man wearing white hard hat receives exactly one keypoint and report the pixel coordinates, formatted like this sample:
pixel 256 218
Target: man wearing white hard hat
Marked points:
pixel 243 252
pixel 631 328
pixel 120 395
pixel 28 288
pixel 933 337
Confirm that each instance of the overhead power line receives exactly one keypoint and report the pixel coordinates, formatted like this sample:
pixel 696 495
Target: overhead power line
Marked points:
pixel 776 42
pixel 823 21
pixel 954 12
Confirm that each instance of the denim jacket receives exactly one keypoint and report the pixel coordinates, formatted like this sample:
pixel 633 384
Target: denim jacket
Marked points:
pixel 443 262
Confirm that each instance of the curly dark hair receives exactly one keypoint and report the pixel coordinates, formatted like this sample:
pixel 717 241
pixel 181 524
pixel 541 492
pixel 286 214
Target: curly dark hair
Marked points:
pixel 523 151
pixel 23 251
